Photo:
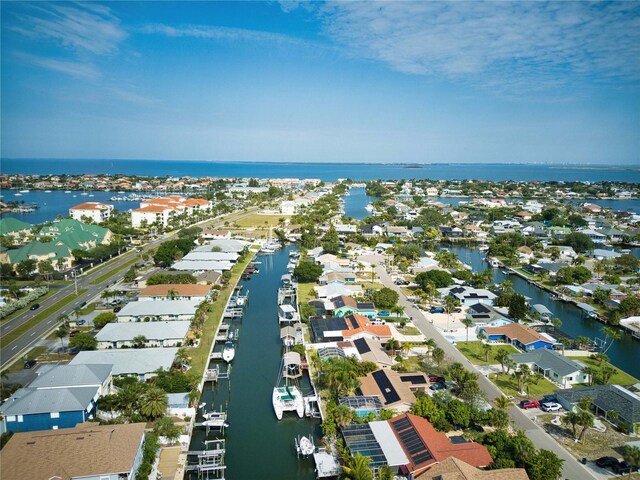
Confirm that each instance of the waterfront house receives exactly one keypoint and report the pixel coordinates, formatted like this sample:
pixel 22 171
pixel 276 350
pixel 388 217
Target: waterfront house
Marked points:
pixel 215 234
pixel 553 366
pixel 594 235
pixel 614 235
pixel 518 335
pixel 197 266
pixel 542 311
pixel 156 334
pixel 351 327
pixel 603 254
pixel 60 397
pixel 211 257
pixel 336 277
pixel 175 291
pixel 142 364
pixel 535 229
pixel 398 231
pixel 410 445
pixel 223 245
pixel 89 451
pixel 453 468
pixel 159 310
pixel 337 289
pixel 559 232
pixel 395 390
pixel 606 399
pixel 468 295
pixel 96 211
pixel 370 350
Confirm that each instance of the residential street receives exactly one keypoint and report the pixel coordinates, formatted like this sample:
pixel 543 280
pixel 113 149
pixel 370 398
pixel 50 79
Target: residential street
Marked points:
pixel 572 469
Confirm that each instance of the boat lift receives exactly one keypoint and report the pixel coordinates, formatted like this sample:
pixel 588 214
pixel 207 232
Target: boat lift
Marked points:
pixel 210 462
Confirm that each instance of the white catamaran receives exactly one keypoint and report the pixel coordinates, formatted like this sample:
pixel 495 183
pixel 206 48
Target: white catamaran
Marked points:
pixel 287 396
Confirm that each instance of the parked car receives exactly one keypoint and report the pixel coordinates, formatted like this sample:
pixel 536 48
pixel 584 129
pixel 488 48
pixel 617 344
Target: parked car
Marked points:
pixel 384 314
pixel 436 310
pixel 551 407
pixel 624 467
pixel 35 306
pixel 436 379
pixel 117 309
pixel 549 398
pixel 29 364
pixel 81 322
pixel 400 281
pixel 526 404
pixel 73 333
pixel 457 310
pixel 607 462
pixel 438 386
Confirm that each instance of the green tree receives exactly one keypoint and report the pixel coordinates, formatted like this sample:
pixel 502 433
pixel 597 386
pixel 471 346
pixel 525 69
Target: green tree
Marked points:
pixel 165 427
pixel 45 268
pixel 385 298
pixel 153 403
pixel 61 333
pixel 393 345
pixel 486 349
pixel 139 341
pixel 83 341
pixel 502 402
pixel 518 306
pixel 502 355
pixel 579 241
pixel 331 242
pixel 307 271
pixel 103 318
pixel 544 465
pixel 439 278
pixel 26 267
pixel 357 468
pixel 632 456
pixel 438 355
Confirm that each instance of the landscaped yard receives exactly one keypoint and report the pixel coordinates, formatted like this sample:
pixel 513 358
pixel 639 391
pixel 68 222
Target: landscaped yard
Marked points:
pixel 473 351
pixel 408 330
pixel 509 386
pixel 620 378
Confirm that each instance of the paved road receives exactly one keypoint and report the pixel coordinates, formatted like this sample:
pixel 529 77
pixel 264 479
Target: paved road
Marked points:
pixel 572 469
pixel 14 351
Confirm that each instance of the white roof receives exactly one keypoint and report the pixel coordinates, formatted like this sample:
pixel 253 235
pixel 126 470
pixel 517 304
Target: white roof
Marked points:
pixel 114 332
pixel 224 244
pixel 388 443
pixel 286 308
pixel 159 307
pixel 218 256
pixel 202 265
pixel 129 361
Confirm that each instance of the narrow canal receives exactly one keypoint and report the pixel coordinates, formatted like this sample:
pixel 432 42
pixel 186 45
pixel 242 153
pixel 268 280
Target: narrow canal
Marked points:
pixel 257 444
pixel 355 203
pixel 623 353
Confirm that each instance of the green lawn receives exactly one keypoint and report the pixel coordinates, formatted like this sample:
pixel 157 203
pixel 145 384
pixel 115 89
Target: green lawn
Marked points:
pixel 620 378
pixel 408 330
pixel 306 292
pixel 473 351
pixel 200 354
pixel 510 387
pixel 255 220
pixel 31 355
pixel 25 327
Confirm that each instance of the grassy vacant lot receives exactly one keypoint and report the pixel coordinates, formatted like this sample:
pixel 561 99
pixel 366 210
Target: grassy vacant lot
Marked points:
pixel 255 220
pixel 200 354
pixel 22 329
pixel 306 292
pixel 473 351
pixel 620 378
pixel 510 386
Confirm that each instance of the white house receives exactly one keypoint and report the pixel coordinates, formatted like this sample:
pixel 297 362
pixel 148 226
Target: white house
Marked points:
pixel 96 211
pixel 174 310
pixel 141 363
pixel 156 334
pixel 175 291
pixel 553 366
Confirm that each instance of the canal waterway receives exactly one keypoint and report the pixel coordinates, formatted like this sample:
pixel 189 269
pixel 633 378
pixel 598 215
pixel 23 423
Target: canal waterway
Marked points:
pixel 623 353
pixel 257 444
pixel 355 202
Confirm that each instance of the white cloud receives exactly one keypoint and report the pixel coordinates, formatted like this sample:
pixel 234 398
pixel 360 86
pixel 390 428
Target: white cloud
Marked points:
pixel 504 45
pixel 82 27
pixel 81 70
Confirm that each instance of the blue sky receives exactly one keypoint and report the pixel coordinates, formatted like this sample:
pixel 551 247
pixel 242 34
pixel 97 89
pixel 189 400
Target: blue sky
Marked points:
pixel 323 82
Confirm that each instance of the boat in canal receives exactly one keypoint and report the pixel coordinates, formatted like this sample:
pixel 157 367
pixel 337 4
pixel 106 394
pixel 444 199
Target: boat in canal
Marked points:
pixel 287 396
pixel 228 352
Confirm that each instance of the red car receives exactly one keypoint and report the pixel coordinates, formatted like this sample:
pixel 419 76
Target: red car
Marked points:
pixel 436 379
pixel 529 404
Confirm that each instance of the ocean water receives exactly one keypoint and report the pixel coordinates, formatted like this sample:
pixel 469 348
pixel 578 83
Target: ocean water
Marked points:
pixel 324 171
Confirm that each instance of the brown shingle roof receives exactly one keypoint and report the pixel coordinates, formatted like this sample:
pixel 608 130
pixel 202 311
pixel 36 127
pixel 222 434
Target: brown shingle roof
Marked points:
pixel 515 331
pixel 88 449
pixel 453 468
pixel 181 289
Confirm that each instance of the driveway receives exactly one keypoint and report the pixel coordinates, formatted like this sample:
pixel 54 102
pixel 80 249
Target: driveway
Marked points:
pixel 572 469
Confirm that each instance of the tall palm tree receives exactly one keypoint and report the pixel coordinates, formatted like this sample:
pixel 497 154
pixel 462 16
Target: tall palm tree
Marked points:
pixel 357 468
pixel 502 355
pixel 406 348
pixel 502 402
pixel 393 345
pixel 467 322
pixel 153 403
pixel 450 304
pixel 612 334
pixel 60 333
pixel 438 355
pixel 486 349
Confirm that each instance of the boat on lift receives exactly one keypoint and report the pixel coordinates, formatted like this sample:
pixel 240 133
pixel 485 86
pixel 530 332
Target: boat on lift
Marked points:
pixel 305 446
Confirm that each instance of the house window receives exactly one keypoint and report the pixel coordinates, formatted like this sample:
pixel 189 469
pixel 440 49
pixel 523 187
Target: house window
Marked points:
pixel 11 418
pixel 55 414
pixel 570 378
pixel 20 419
pixel 55 427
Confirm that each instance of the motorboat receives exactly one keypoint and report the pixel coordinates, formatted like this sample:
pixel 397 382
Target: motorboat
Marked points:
pixel 305 446
pixel 369 207
pixel 228 352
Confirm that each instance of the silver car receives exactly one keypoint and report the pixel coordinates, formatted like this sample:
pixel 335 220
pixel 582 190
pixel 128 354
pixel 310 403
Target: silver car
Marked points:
pixel 551 407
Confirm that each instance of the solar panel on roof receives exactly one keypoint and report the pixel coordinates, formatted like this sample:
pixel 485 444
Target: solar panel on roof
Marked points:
pixel 422 457
pixel 415 447
pixel 361 345
pixel 384 385
pixel 414 379
pixel 401 424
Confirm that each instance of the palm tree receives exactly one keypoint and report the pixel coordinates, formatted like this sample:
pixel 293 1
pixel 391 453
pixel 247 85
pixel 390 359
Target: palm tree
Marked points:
pixel 521 375
pixel 467 322
pixel 438 355
pixel 60 333
pixel 406 348
pixel 502 355
pixel 585 420
pixel 632 456
pixel 510 364
pixel 343 415
pixel 357 468
pixel 153 403
pixel 612 333
pixel 181 358
pixel 572 418
pixel 450 304
pixel 393 345
pixel 398 310
pixel 139 341
pixel 502 402
pixel 486 349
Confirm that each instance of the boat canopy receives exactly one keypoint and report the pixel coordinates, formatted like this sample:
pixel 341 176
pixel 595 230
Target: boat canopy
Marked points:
pixel 292 358
pixel 287 332
pixel 287 308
